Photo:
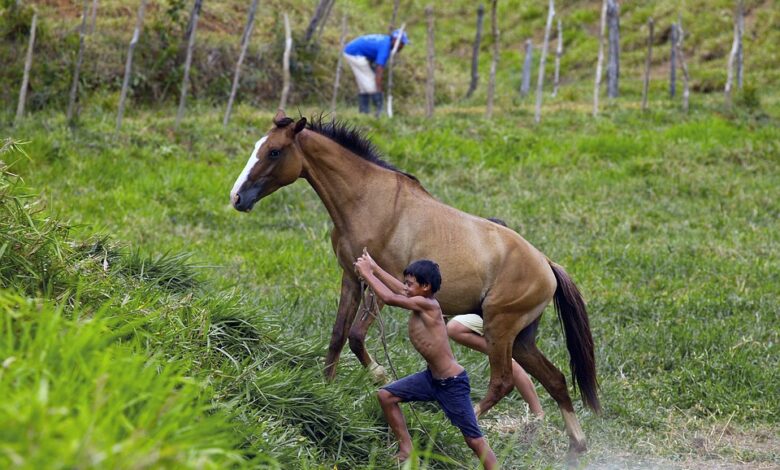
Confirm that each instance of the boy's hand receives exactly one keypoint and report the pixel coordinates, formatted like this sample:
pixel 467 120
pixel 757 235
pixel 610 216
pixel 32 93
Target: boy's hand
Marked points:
pixel 370 259
pixel 363 266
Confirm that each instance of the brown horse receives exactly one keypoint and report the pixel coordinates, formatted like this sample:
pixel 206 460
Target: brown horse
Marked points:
pixel 485 267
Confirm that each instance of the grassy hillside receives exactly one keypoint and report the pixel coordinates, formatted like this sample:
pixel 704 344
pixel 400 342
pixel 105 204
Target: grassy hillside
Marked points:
pixel 115 358
pixel 144 323
pixel 160 55
pixel 667 224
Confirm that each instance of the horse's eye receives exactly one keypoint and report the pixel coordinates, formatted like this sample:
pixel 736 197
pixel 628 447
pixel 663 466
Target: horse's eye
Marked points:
pixel 274 153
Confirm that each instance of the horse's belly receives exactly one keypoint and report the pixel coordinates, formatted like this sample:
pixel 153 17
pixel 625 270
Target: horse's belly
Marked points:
pixel 455 301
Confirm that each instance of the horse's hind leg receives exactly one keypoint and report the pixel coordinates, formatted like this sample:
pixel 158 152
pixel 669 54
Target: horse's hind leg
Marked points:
pixel 500 331
pixel 348 305
pixel 533 361
pixel 502 324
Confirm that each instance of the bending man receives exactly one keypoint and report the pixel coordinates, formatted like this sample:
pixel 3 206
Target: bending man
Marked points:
pixel 367 56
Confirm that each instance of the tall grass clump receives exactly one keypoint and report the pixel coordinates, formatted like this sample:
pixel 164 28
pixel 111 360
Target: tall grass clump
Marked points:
pixel 75 394
pixel 31 251
pixel 79 386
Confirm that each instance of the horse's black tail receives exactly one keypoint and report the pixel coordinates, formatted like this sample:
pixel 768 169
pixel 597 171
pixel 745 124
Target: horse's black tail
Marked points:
pixel 574 323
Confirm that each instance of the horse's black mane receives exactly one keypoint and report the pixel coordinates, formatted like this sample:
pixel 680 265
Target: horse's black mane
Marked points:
pixel 353 139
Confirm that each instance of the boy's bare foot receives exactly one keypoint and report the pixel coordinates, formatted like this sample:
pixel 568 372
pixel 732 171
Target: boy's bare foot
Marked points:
pixel 403 454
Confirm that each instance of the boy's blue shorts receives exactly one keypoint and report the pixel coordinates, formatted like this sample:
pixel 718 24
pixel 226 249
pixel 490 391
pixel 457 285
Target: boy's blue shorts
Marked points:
pixel 452 394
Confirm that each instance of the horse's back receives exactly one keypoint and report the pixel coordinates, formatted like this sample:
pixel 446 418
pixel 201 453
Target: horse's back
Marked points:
pixel 475 256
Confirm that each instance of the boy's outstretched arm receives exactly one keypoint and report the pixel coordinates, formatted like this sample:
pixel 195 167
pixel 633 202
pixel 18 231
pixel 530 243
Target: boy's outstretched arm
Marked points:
pixel 387 279
pixel 363 266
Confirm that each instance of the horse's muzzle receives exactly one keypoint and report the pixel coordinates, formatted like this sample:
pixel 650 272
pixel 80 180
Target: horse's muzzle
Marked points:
pixel 242 204
pixel 244 199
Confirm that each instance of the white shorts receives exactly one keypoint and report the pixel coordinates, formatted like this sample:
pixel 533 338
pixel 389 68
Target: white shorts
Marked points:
pixel 366 79
pixel 472 321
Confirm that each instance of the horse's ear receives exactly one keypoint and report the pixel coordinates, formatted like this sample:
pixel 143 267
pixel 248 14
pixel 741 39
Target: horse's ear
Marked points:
pixel 279 115
pixel 300 125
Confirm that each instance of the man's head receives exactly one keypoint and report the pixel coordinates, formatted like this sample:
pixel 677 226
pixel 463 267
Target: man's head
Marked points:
pixel 398 35
pixel 426 273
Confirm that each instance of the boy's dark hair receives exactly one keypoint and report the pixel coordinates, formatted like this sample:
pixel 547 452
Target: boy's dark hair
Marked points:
pixel 426 272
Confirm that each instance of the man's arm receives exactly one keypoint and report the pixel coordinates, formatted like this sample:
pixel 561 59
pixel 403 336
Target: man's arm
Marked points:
pixel 378 72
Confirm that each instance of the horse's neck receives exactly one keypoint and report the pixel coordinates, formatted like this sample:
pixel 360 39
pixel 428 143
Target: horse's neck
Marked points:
pixel 349 186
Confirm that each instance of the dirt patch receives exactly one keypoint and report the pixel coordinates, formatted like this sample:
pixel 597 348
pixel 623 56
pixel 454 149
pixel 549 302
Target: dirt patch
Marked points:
pixel 718 446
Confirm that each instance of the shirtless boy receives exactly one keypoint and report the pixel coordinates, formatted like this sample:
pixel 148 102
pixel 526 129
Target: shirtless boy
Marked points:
pixel 444 381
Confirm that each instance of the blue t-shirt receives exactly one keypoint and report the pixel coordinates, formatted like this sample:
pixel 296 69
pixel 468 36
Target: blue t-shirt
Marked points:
pixel 374 47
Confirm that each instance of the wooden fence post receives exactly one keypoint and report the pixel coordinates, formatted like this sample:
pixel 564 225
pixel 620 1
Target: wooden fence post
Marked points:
pixel 325 19
pixel 683 66
pixel 558 54
pixel 734 56
pixel 673 62
pixel 193 26
pixel 390 64
pixel 475 52
pixel 316 18
pixel 648 63
pixel 396 4
pixel 493 61
pixel 391 60
pixel 429 84
pixel 139 22
pixel 600 62
pixel 250 22
pixel 27 65
pixel 79 58
pixel 342 41
pixel 740 32
pixel 542 59
pixel 93 16
pixel 525 82
pixel 613 66
pixel 286 62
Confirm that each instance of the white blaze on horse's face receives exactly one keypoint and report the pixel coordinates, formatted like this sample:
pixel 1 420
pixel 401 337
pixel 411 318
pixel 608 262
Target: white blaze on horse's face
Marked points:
pixel 245 172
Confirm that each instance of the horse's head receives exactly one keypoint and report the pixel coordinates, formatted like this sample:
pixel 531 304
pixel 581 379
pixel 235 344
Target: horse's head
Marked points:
pixel 275 162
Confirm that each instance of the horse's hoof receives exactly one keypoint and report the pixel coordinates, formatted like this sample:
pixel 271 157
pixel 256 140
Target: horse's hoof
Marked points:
pixel 576 450
pixel 477 410
pixel 379 374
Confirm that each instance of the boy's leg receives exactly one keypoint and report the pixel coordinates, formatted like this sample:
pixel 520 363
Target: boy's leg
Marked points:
pixel 483 451
pixel 395 419
pixel 527 390
pixel 453 394
pixel 462 334
pixel 415 387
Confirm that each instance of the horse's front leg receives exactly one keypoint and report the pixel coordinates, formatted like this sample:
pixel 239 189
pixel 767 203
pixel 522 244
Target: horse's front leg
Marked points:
pixel 499 345
pixel 348 305
pixel 357 339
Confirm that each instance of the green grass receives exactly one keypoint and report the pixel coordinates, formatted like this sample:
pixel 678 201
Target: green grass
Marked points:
pixel 111 356
pixel 667 223
pixel 146 323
